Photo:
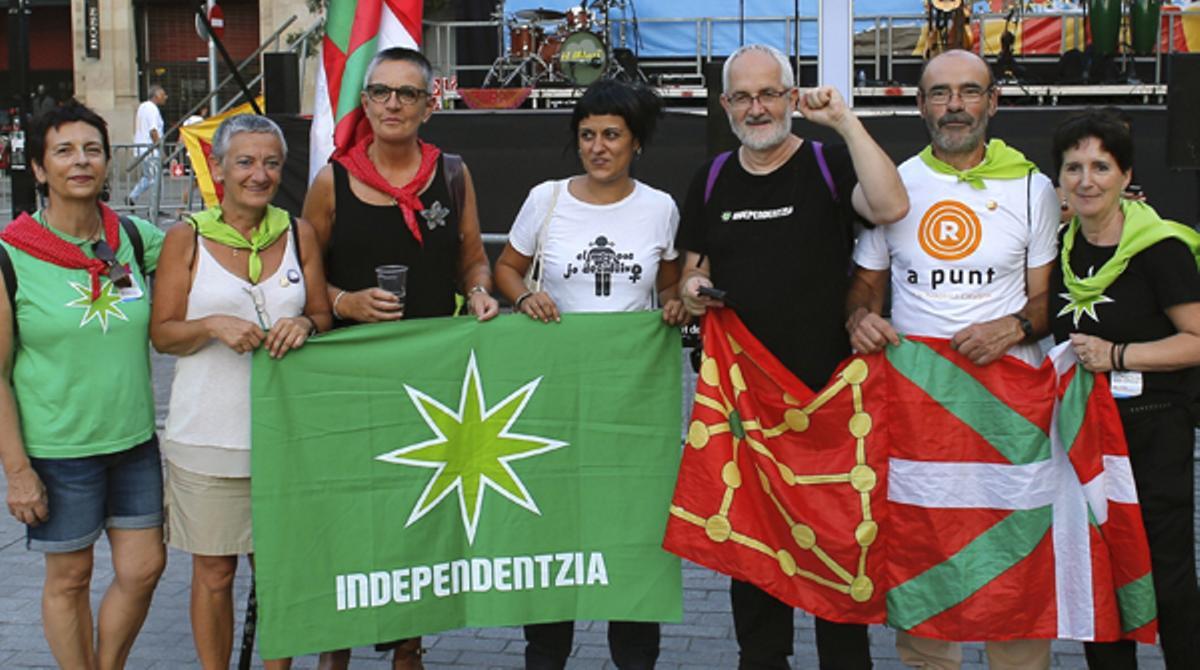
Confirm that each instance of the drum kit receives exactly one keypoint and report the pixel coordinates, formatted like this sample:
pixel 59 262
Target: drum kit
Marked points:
pixel 552 47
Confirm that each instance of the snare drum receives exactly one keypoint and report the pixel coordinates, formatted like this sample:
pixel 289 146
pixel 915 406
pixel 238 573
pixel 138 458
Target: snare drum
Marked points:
pixel 523 39
pixel 578 18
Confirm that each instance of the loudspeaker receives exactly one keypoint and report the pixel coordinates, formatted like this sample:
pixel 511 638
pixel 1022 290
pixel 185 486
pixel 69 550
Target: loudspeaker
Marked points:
pixel 720 137
pixel 1183 99
pixel 281 78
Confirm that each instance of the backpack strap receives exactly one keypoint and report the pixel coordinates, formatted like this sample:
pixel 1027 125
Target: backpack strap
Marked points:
pixel 819 152
pixel 713 171
pixel 10 285
pixel 456 182
pixel 135 238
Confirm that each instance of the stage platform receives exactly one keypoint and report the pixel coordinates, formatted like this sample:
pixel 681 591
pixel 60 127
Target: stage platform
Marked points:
pixel 882 96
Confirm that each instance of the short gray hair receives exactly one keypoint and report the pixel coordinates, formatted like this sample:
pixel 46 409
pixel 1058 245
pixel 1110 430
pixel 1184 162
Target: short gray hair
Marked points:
pixel 406 55
pixel 786 78
pixel 243 123
pixel 153 91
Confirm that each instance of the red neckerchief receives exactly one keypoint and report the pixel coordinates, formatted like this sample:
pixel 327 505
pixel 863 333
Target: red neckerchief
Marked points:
pixel 356 161
pixel 26 234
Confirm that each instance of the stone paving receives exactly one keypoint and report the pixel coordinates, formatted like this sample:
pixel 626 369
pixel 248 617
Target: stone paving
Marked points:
pixel 703 640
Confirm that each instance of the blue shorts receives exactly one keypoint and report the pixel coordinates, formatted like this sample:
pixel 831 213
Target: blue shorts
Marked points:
pixel 86 495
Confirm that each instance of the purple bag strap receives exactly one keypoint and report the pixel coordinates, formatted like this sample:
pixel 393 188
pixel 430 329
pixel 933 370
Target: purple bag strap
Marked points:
pixel 713 171
pixel 819 152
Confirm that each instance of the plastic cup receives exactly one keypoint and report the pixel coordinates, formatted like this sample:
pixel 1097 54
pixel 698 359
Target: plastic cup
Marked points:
pixel 394 280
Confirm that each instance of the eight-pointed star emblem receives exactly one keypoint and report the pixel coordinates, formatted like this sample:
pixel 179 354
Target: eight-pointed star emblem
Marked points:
pixel 105 306
pixel 472 449
pixel 1077 308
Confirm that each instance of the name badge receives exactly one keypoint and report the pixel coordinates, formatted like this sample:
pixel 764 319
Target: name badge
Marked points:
pixel 1127 384
pixel 131 292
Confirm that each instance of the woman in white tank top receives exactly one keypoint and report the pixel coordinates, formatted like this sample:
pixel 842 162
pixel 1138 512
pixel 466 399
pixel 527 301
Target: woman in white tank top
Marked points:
pixel 233 279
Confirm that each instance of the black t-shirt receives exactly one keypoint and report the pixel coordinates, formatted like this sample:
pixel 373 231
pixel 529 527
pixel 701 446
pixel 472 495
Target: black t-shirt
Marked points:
pixel 365 236
pixel 1160 276
pixel 779 245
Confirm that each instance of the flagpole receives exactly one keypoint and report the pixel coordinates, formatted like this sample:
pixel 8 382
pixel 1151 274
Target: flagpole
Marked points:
pixel 214 107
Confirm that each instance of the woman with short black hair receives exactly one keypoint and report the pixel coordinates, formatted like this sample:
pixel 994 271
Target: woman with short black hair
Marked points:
pixel 606 244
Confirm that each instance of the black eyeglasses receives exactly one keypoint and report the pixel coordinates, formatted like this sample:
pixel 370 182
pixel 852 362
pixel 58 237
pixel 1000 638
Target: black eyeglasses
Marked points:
pixel 116 272
pixel 381 93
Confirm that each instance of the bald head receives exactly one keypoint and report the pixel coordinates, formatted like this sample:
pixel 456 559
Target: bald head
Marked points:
pixel 955 64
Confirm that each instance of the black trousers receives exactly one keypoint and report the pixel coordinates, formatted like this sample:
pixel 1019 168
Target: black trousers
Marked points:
pixel 765 630
pixel 633 644
pixel 1160 451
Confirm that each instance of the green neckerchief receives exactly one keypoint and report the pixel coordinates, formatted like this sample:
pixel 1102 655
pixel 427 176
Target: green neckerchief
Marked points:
pixel 1000 161
pixel 211 225
pixel 1143 228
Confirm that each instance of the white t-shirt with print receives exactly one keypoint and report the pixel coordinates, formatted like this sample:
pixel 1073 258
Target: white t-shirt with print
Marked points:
pixel 148 117
pixel 599 258
pixel 959 256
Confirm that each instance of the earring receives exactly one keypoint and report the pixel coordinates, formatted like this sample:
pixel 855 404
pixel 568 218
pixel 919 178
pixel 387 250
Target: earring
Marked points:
pixel 638 152
pixel 105 192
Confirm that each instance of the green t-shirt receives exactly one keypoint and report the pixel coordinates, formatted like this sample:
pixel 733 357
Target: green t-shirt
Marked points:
pixel 81 375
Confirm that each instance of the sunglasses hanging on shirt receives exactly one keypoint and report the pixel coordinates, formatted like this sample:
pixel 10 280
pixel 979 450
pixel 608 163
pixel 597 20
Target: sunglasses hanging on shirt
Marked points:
pixel 116 272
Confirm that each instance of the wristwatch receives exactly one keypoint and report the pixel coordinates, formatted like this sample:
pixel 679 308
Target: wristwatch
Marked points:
pixel 478 288
pixel 1026 324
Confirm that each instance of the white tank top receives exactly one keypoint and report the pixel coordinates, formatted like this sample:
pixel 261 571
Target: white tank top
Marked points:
pixel 208 421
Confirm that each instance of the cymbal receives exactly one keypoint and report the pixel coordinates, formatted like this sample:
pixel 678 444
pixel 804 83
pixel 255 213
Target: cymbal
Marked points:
pixel 539 14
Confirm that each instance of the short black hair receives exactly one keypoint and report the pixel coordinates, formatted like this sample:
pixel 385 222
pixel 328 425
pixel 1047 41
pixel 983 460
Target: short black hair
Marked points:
pixel 1119 114
pixel 639 106
pixel 53 118
pixel 1112 133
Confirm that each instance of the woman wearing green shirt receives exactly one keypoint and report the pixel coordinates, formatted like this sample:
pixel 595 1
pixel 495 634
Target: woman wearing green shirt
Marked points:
pixel 77 437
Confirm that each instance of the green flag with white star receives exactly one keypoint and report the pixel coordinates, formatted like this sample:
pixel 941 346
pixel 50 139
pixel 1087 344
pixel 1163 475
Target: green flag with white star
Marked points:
pixel 436 474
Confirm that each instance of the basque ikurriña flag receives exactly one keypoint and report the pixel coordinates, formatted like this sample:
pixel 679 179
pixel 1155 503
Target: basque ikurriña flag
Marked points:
pixel 355 30
pixel 436 474
pixel 951 500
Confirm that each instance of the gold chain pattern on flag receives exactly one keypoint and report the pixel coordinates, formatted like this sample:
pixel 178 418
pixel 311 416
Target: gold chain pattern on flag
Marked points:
pixel 861 478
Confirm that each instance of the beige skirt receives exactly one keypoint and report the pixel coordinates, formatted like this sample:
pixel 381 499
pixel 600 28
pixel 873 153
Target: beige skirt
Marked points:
pixel 207 515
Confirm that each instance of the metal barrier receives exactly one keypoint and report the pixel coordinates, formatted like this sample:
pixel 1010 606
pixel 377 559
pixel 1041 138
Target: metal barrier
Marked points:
pixel 880 52
pixel 170 193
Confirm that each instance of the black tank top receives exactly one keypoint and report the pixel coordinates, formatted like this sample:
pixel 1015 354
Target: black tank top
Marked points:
pixel 365 236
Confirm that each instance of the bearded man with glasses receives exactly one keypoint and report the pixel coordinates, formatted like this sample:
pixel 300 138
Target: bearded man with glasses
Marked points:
pixel 970 262
pixel 773 226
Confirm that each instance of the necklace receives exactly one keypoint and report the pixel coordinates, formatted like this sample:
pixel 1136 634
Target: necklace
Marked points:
pixel 91 237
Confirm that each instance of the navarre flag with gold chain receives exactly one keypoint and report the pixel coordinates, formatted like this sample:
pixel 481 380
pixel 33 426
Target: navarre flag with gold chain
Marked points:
pixel 951 500
pixel 355 30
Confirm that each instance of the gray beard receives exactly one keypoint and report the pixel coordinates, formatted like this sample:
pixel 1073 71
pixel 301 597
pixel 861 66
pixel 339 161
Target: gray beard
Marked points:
pixel 761 141
pixel 968 143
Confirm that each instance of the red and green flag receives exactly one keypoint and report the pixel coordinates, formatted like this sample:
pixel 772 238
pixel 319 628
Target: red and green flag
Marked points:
pixel 355 30
pixel 436 474
pixel 947 499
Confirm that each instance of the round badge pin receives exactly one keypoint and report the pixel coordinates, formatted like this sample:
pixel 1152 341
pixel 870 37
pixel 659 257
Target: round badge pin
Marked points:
pixel 293 276
pixel 991 204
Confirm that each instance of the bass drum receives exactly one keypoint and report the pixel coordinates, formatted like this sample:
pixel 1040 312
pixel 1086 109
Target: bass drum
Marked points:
pixel 581 58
